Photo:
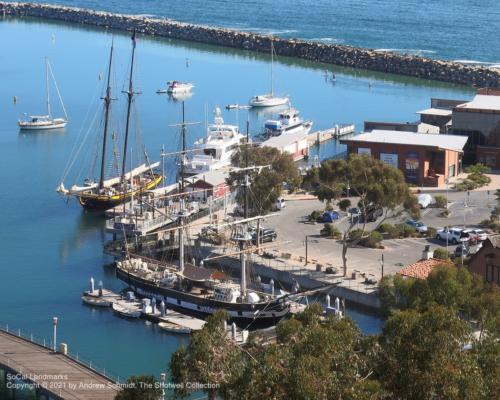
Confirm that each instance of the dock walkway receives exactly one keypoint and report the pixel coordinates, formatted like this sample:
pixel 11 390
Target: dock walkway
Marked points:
pixel 54 373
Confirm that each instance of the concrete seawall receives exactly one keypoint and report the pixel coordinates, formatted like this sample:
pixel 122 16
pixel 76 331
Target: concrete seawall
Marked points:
pixel 414 66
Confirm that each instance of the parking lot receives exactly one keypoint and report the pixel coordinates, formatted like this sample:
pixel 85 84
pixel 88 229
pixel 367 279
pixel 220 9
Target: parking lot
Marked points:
pixel 292 228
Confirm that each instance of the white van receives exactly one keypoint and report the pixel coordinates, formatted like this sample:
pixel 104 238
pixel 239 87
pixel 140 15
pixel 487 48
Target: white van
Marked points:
pixel 424 200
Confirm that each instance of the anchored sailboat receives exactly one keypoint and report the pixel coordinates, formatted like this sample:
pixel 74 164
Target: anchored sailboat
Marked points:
pixel 107 193
pixel 39 122
pixel 269 99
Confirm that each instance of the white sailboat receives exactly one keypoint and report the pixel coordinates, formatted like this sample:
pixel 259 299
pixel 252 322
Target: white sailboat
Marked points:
pixel 269 99
pixel 39 122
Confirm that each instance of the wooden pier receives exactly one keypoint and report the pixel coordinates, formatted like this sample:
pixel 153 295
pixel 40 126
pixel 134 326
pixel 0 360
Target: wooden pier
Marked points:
pixel 329 134
pixel 54 374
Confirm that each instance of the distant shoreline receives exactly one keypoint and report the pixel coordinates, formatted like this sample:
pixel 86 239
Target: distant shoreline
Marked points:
pixel 347 56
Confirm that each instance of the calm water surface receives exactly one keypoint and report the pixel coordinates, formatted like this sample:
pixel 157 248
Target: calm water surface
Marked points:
pixel 50 247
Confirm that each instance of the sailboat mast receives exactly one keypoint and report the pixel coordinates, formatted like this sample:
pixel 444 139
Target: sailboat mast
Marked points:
pixel 130 98
pixel 183 131
pixel 243 256
pixel 107 105
pixel 272 67
pixel 49 113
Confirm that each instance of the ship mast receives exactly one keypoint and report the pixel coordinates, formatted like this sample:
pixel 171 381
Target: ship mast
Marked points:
pixel 243 256
pixel 49 112
pixel 107 104
pixel 130 97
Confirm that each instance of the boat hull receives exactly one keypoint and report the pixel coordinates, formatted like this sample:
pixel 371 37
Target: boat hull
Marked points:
pixel 243 314
pixel 269 102
pixel 26 126
pixel 102 202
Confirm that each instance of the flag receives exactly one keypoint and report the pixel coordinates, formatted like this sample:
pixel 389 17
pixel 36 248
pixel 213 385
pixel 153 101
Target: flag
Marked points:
pixel 133 38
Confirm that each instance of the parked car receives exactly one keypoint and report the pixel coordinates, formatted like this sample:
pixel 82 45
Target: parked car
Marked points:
pixel 478 234
pixel 453 235
pixel 266 235
pixel 280 203
pixel 353 213
pixel 424 200
pixel 372 214
pixel 420 227
pixel 330 216
pixel 461 248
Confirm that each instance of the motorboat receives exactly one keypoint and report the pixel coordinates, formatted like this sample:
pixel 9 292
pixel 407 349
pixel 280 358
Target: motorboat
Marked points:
pixel 215 150
pixel 289 122
pixel 176 87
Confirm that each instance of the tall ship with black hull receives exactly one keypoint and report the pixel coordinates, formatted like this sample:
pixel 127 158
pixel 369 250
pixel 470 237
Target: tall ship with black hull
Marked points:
pixel 104 193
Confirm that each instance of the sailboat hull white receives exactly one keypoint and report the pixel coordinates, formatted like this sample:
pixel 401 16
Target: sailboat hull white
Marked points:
pixel 37 126
pixel 267 101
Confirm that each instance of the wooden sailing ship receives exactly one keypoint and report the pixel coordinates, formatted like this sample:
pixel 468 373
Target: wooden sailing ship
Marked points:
pixel 106 193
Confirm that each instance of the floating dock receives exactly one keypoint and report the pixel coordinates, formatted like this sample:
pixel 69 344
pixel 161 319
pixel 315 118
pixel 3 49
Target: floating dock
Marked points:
pixel 329 134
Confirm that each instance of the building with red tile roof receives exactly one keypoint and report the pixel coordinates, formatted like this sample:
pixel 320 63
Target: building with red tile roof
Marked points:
pixel 421 269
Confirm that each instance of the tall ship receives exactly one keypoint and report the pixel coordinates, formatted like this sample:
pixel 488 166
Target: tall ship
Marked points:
pixel 47 121
pixel 216 149
pixel 106 192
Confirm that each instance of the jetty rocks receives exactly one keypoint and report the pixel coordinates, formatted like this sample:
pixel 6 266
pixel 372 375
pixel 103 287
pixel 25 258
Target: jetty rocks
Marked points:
pixel 387 62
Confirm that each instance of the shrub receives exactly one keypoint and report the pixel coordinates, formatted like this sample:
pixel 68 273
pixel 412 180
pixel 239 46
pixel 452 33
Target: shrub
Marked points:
pixel 355 234
pixel 466 184
pixel 440 201
pixel 406 230
pixel 344 204
pixel 441 254
pixel 478 169
pixel 431 232
pixel 330 230
pixel 444 213
pixel 328 207
pixel 373 240
pixel 390 230
pixel 314 216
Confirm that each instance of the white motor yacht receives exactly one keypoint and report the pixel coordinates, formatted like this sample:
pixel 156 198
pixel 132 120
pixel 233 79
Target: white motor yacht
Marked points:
pixel 289 122
pixel 215 150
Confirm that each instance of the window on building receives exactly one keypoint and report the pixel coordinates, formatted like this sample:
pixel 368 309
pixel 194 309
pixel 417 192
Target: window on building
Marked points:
pixel 492 273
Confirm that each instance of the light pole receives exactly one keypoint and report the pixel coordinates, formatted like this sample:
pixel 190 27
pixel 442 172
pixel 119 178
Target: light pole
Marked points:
pixel 163 377
pixel 54 322
pixel 306 250
pixel 447 181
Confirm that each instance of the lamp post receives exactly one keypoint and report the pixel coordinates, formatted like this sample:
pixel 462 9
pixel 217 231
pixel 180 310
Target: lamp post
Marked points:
pixel 163 377
pixel 306 249
pixel 447 181
pixel 54 323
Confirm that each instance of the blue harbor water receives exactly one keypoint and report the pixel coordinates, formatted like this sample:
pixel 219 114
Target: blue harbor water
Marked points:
pixel 50 247
pixel 446 29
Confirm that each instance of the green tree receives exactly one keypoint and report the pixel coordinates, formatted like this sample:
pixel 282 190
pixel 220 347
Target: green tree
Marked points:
pixel 144 387
pixel 265 183
pixel 373 182
pixel 210 358
pixel 423 357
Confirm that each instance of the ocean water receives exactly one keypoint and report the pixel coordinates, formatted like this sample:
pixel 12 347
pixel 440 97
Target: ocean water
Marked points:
pixel 50 248
pixel 445 29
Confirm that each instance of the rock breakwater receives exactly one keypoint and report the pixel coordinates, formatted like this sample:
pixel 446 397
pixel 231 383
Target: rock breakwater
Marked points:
pixel 415 66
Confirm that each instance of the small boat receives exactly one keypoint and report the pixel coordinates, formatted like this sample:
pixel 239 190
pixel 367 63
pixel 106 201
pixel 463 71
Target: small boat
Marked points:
pixel 43 122
pixel 128 311
pixel 97 301
pixel 174 328
pixel 269 99
pixel 289 122
pixel 175 87
pixel 161 91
